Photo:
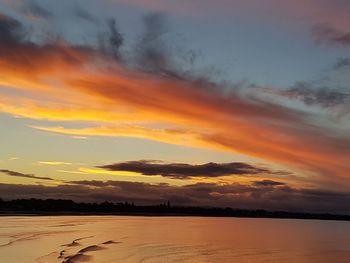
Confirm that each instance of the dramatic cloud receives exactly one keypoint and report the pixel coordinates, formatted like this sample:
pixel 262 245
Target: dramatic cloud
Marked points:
pixel 310 95
pixel 152 52
pixel 17 174
pixel 21 56
pixel 111 42
pixel 274 197
pixel 10 30
pixel 59 81
pixel 185 171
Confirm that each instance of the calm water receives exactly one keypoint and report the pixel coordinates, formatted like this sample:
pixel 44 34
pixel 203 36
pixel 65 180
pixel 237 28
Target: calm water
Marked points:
pixel 171 239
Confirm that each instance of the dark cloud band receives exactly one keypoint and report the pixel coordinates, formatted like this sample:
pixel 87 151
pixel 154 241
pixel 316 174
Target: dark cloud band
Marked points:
pixel 275 197
pixel 17 174
pixel 185 171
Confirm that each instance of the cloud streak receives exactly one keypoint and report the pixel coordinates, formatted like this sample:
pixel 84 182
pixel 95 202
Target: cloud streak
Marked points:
pixel 184 170
pixel 54 163
pixel 31 176
pixel 310 95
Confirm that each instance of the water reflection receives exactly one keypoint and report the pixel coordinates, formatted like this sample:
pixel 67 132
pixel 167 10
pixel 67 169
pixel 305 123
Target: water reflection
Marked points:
pixel 172 239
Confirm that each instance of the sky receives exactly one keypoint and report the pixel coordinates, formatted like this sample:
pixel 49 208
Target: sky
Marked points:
pixel 240 103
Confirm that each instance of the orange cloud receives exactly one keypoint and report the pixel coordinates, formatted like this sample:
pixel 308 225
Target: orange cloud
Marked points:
pixel 80 84
pixel 54 163
pixel 180 137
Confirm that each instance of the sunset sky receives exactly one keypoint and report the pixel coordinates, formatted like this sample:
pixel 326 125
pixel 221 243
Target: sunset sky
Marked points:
pixel 240 103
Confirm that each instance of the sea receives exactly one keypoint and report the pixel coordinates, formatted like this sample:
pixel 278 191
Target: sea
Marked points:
pixel 67 239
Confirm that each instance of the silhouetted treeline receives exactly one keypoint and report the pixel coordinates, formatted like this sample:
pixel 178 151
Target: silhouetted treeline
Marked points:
pixel 68 207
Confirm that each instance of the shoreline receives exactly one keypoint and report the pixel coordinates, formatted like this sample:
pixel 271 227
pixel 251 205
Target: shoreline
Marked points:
pixel 146 214
pixel 65 207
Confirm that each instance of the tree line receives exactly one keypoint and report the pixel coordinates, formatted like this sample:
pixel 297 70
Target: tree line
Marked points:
pixel 70 207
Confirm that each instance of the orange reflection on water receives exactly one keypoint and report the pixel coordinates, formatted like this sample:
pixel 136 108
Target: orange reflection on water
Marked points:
pixel 172 239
